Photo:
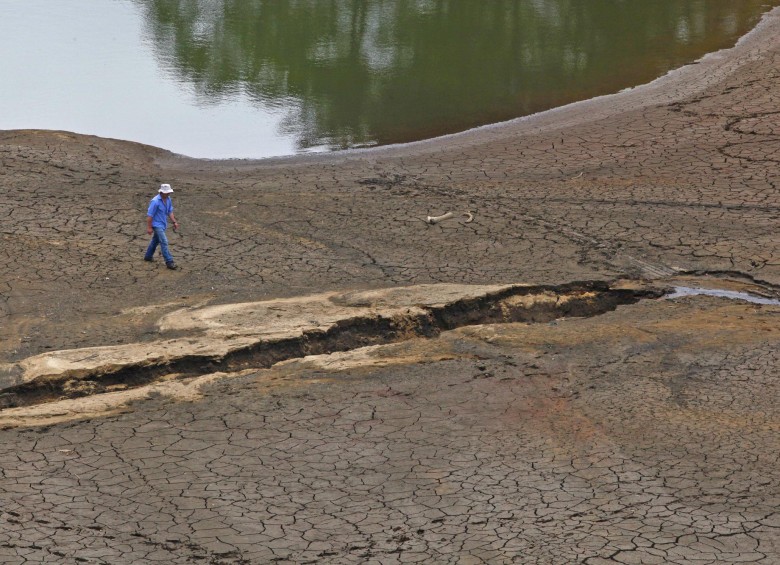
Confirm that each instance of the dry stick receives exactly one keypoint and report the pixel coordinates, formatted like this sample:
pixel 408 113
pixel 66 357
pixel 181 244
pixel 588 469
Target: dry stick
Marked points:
pixel 436 219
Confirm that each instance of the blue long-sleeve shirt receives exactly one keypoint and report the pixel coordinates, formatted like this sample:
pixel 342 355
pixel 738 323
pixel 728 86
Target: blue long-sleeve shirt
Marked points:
pixel 159 210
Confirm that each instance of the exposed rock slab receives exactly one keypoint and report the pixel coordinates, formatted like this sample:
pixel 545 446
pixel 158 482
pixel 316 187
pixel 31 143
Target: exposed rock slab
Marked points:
pixel 219 330
pixel 238 337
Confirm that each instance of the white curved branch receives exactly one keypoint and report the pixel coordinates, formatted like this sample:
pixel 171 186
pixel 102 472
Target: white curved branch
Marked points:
pixel 436 219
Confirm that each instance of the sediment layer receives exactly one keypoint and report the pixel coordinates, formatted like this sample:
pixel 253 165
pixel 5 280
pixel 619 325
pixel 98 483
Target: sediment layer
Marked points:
pixel 239 337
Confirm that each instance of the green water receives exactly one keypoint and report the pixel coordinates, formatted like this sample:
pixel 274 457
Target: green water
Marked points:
pixel 253 78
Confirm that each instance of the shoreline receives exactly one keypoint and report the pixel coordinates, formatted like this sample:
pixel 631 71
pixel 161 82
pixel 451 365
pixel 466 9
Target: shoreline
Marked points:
pixel 656 91
pixel 674 85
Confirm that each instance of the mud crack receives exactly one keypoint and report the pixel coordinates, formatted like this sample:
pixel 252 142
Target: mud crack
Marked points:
pixel 528 304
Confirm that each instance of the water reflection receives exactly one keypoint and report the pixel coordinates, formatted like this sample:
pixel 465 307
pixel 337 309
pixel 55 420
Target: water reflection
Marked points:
pixel 357 72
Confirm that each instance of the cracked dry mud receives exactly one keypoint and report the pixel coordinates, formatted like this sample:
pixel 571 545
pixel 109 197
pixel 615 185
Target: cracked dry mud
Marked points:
pixel 647 434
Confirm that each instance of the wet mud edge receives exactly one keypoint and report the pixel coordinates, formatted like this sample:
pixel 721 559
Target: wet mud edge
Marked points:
pixel 577 299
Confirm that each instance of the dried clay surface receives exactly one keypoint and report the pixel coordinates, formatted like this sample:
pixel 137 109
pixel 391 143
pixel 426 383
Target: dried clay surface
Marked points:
pixel 647 434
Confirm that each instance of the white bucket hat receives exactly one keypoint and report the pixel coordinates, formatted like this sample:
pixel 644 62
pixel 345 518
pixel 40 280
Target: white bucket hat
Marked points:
pixel 165 189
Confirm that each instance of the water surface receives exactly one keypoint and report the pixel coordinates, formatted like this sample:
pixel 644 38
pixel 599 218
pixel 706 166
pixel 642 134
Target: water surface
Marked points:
pixel 256 78
pixel 683 291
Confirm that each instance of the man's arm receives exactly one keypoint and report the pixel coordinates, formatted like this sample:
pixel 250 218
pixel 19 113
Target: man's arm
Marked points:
pixel 150 214
pixel 175 223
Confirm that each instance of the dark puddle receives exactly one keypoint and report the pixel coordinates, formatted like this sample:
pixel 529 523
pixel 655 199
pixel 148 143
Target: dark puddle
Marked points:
pixel 683 291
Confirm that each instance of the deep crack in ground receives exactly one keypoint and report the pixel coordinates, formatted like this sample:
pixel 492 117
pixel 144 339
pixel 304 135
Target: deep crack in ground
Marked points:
pixel 579 299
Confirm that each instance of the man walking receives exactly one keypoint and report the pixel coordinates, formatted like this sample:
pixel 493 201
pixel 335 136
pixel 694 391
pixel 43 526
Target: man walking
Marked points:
pixel 160 209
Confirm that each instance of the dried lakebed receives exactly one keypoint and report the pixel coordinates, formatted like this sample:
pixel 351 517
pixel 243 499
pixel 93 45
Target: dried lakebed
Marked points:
pixel 647 434
pixel 233 339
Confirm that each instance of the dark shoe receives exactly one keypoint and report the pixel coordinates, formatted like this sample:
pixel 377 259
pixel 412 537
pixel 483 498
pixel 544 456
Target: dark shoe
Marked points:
pixel 150 259
pixel 172 266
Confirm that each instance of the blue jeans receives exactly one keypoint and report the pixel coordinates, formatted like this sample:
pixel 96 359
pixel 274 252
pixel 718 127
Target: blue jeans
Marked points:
pixel 160 238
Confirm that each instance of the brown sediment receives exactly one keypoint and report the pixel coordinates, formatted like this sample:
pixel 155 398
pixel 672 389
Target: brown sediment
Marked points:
pixel 648 434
